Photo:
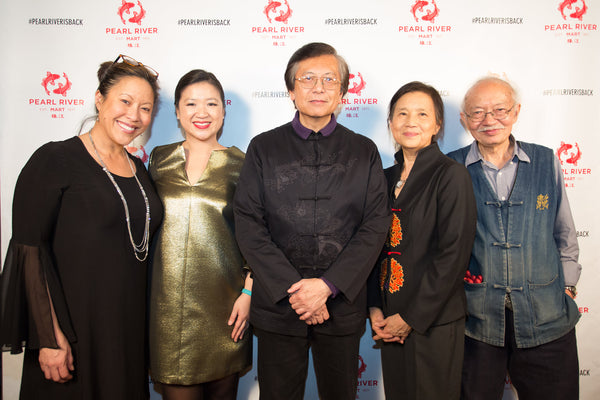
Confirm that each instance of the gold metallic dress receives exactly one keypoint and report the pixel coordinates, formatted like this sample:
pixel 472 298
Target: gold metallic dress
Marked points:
pixel 197 271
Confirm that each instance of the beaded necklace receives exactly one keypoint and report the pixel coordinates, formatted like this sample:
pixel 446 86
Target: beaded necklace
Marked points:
pixel 141 248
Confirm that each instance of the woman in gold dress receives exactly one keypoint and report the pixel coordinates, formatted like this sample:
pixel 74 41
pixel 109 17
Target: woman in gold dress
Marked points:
pixel 200 291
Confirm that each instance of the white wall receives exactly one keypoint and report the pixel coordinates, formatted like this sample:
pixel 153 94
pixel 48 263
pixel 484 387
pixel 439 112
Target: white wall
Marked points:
pixel 554 61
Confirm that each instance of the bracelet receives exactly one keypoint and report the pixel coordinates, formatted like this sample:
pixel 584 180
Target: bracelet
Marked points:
pixel 246 291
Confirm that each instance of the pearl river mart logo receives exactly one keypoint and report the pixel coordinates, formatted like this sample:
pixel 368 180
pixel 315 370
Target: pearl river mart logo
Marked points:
pixel 130 27
pixel 354 103
pixel 278 11
pixel 364 384
pixel 569 155
pixel 574 9
pixel 570 25
pixel 139 151
pixel 278 30
pixel 425 30
pixel 356 84
pixel 52 80
pixel 128 12
pixel 56 102
pixel 425 11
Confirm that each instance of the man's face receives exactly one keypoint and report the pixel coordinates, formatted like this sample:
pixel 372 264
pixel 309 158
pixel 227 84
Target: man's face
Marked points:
pixel 316 104
pixel 490 98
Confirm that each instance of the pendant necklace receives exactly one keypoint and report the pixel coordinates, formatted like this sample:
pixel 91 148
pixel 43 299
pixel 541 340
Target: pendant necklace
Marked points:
pixel 140 250
pixel 401 181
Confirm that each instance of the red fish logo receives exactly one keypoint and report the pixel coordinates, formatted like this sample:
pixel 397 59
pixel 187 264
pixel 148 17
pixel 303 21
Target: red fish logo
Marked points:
pixel 134 16
pixel 281 14
pixel 356 86
pixel 574 9
pixel 362 367
pixel 50 81
pixel 568 153
pixel 425 10
pixel 139 152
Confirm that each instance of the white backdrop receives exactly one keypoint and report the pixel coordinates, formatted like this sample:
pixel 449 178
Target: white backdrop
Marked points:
pixel 549 49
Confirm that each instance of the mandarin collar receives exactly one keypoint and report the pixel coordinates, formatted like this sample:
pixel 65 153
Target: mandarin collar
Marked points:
pixel 305 132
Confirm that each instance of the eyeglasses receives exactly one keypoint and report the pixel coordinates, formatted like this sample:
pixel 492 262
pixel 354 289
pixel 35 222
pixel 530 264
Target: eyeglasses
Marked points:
pixel 310 81
pixel 134 63
pixel 497 113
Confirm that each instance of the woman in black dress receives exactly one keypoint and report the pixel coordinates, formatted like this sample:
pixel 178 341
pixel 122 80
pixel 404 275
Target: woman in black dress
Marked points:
pixel 416 294
pixel 73 288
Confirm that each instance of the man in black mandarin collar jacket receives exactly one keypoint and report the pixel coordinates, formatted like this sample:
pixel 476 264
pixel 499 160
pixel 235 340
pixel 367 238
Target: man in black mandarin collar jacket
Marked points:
pixel 311 215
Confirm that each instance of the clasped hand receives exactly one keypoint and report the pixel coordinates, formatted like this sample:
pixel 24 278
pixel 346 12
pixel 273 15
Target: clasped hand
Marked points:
pixel 308 298
pixel 390 329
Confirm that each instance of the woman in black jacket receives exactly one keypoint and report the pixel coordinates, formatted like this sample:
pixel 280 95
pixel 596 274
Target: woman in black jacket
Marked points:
pixel 416 297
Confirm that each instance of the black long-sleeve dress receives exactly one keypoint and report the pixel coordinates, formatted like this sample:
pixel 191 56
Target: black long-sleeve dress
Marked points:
pixel 70 235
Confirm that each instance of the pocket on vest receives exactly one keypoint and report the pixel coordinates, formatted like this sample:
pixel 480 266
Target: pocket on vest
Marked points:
pixel 476 300
pixel 547 300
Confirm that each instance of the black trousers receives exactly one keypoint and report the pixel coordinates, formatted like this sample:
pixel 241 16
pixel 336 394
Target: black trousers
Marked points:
pixel 425 367
pixel 549 371
pixel 283 365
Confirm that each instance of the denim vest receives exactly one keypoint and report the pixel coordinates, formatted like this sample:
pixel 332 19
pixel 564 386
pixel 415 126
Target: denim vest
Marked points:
pixel 516 254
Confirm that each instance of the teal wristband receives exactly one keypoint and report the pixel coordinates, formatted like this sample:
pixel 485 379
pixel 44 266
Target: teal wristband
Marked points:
pixel 246 291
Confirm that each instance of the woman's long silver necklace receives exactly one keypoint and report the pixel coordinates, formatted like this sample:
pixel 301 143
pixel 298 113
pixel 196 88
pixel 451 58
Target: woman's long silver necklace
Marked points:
pixel 141 248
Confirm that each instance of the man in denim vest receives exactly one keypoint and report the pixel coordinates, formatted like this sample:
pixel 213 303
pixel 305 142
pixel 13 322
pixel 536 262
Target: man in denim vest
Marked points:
pixel 523 270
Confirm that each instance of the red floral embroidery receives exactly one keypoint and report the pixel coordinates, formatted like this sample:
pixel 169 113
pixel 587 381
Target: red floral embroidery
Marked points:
pixel 397 276
pixel 396 272
pixel 395 232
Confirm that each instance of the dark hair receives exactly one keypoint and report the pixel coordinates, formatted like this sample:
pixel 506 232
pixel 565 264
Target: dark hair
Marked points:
pixel 438 104
pixel 110 73
pixel 197 76
pixel 312 50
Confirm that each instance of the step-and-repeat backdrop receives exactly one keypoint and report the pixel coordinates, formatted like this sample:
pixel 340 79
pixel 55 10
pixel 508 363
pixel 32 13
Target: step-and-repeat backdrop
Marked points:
pixel 550 50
